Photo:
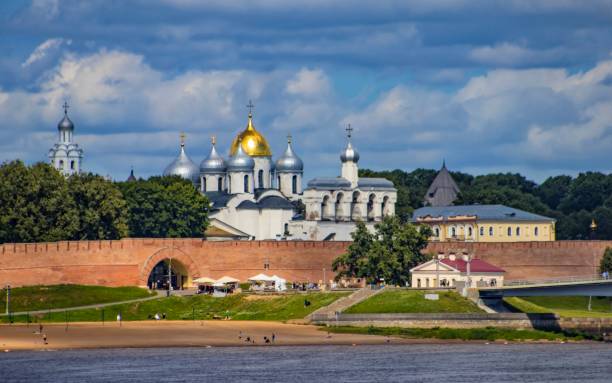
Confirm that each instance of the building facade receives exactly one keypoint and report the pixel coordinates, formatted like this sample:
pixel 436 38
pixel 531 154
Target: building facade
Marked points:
pixel 484 223
pixel 449 272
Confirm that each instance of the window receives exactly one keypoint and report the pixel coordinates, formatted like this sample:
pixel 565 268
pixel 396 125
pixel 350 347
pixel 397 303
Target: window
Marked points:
pixel 294 184
pixel 61 164
pixel 418 282
pixel 229 184
pixel 491 230
pixel 72 165
pixel 481 231
pixel 279 184
pixel 219 183
pixel 535 231
pixel 204 184
pixel 470 231
pixel 437 231
pixel 286 229
pixel 453 232
pixel 260 179
pixel 518 231
pixel 509 231
pixel 246 183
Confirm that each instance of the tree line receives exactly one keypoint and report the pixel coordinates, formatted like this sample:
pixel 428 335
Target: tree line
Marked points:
pixel 38 204
pixel 573 201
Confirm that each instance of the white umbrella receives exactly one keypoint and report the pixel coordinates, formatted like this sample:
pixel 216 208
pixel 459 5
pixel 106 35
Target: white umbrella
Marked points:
pixel 261 278
pixel 225 280
pixel 204 280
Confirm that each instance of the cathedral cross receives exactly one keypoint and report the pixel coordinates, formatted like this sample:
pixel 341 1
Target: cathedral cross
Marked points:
pixel 251 107
pixel 65 106
pixel 213 139
pixel 349 131
pixel 182 135
pixel 289 138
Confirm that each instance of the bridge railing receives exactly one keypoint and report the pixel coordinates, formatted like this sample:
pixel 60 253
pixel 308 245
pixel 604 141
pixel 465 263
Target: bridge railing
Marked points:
pixel 559 280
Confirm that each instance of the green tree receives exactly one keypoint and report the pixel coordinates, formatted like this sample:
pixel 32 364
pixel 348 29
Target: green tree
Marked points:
pixel 165 207
pixel 35 204
pixel 352 263
pixel 553 190
pixel 587 192
pixel 102 211
pixel 606 261
pixel 387 254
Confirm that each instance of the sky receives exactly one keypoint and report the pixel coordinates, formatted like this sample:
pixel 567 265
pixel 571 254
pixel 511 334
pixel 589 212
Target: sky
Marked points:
pixel 490 86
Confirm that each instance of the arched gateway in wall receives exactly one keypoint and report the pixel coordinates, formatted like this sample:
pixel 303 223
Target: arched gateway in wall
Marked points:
pixel 181 261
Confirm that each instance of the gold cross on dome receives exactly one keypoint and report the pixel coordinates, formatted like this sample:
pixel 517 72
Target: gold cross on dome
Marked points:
pixel 182 135
pixel 213 139
pixel 251 107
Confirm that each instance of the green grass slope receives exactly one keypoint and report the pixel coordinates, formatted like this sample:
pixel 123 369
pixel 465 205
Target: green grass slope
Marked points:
pixel 61 296
pixel 413 301
pixel 563 306
pixel 237 307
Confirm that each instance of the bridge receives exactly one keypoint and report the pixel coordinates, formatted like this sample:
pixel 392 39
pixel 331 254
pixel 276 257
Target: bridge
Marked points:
pixel 585 286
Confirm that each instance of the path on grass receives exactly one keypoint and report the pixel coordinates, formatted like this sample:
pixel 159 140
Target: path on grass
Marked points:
pixel 344 303
pixel 160 294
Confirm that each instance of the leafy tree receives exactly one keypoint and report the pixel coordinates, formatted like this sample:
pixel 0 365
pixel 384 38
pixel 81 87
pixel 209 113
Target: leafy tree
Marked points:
pixel 102 210
pixel 352 263
pixel 587 192
pixel 165 207
pixel 606 261
pixel 552 191
pixel 388 254
pixel 35 204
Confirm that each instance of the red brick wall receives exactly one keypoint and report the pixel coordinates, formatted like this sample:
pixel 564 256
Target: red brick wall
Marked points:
pixel 129 261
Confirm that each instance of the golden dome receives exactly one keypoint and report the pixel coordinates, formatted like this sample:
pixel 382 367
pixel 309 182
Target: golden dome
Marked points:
pixel 253 143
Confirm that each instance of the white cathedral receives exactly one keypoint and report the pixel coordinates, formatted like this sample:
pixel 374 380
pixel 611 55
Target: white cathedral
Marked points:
pixel 253 197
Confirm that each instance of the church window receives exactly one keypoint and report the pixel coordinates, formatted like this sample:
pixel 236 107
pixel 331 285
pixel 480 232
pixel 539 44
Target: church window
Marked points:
pixel 453 232
pixel 518 231
pixel 469 231
pixel 229 184
pixel 286 229
pixel 509 231
pixel 279 183
pixel 246 183
pixel 481 231
pixel 260 178
pixel 61 164
pixel 294 184
pixel 491 230
pixel 72 165
pixel 204 184
pixel 437 231
pixel 535 231
pixel 219 184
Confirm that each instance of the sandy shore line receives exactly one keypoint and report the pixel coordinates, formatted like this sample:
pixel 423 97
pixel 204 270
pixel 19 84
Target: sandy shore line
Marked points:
pixel 177 334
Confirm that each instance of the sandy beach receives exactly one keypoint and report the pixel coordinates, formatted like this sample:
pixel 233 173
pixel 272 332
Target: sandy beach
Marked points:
pixel 175 334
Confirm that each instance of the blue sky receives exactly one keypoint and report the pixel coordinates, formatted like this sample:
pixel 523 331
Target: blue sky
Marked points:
pixel 515 85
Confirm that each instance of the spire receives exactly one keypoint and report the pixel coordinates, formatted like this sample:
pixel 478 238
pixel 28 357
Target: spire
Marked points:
pixel 349 132
pixel 289 138
pixel 250 106
pixel 65 106
pixel 131 178
pixel 213 140
pixel 444 163
pixel 182 136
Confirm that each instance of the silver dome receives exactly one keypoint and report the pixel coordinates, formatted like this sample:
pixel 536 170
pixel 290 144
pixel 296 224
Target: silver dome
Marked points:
pixel 214 163
pixel 240 162
pixel 349 154
pixel 184 167
pixel 289 162
pixel 65 124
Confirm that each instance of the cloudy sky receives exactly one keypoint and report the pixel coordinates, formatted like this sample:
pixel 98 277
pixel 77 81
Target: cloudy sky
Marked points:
pixel 513 85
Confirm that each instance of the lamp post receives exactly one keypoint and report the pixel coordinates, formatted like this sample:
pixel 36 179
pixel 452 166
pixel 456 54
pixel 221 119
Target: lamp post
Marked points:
pixel 8 298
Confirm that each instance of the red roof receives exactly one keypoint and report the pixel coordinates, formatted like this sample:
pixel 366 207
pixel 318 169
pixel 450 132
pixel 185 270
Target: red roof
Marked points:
pixel 476 266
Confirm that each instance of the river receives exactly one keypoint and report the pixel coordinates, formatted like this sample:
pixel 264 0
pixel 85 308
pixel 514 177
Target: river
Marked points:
pixel 391 363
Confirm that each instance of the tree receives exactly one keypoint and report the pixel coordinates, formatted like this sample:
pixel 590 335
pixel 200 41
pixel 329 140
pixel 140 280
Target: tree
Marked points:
pixel 352 263
pixel 35 204
pixel 165 207
pixel 606 261
pixel 552 191
pixel 387 254
pixel 102 210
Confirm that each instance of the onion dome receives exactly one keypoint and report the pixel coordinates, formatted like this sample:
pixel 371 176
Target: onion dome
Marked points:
pixel 65 124
pixel 183 166
pixel 253 143
pixel 289 162
pixel 131 178
pixel 240 162
pixel 349 154
pixel 214 163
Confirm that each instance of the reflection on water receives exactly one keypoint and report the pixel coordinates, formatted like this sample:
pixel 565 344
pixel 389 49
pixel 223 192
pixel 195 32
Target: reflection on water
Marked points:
pixel 400 363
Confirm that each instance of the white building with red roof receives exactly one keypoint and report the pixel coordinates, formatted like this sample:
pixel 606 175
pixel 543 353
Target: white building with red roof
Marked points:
pixel 449 271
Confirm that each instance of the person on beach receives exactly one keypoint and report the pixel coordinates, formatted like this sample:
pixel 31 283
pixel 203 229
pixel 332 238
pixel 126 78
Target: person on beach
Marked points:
pixel 163 315
pixel 157 316
pixel 273 337
pixel 40 328
pixel 45 339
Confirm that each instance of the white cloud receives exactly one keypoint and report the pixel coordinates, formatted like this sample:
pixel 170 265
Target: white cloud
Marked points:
pixel 308 83
pixel 43 50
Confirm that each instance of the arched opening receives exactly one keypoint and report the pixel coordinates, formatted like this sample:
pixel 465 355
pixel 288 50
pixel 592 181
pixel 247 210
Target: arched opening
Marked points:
pixel 220 184
pixel 246 183
pixel 260 179
pixel 338 210
pixel 470 231
pixel 325 206
pixel 279 182
pixel 204 184
pixel 536 231
pixel 229 184
pixel 385 206
pixel 355 211
pixel 294 185
pixel 169 270
pixel 371 212
pixel 61 164
pixel 72 164
pixel 453 232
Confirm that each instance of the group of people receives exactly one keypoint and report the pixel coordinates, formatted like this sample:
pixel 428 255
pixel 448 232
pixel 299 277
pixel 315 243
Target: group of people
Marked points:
pixel 157 316
pixel 251 340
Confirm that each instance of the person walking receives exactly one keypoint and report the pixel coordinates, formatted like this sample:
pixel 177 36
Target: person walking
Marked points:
pixel 45 339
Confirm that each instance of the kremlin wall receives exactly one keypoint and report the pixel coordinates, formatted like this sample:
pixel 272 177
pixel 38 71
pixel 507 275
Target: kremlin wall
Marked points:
pixel 129 262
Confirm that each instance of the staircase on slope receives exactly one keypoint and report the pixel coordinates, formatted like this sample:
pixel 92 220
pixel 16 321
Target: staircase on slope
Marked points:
pixel 329 312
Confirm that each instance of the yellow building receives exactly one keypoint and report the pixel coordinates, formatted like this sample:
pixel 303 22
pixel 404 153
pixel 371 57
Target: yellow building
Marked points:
pixel 484 223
